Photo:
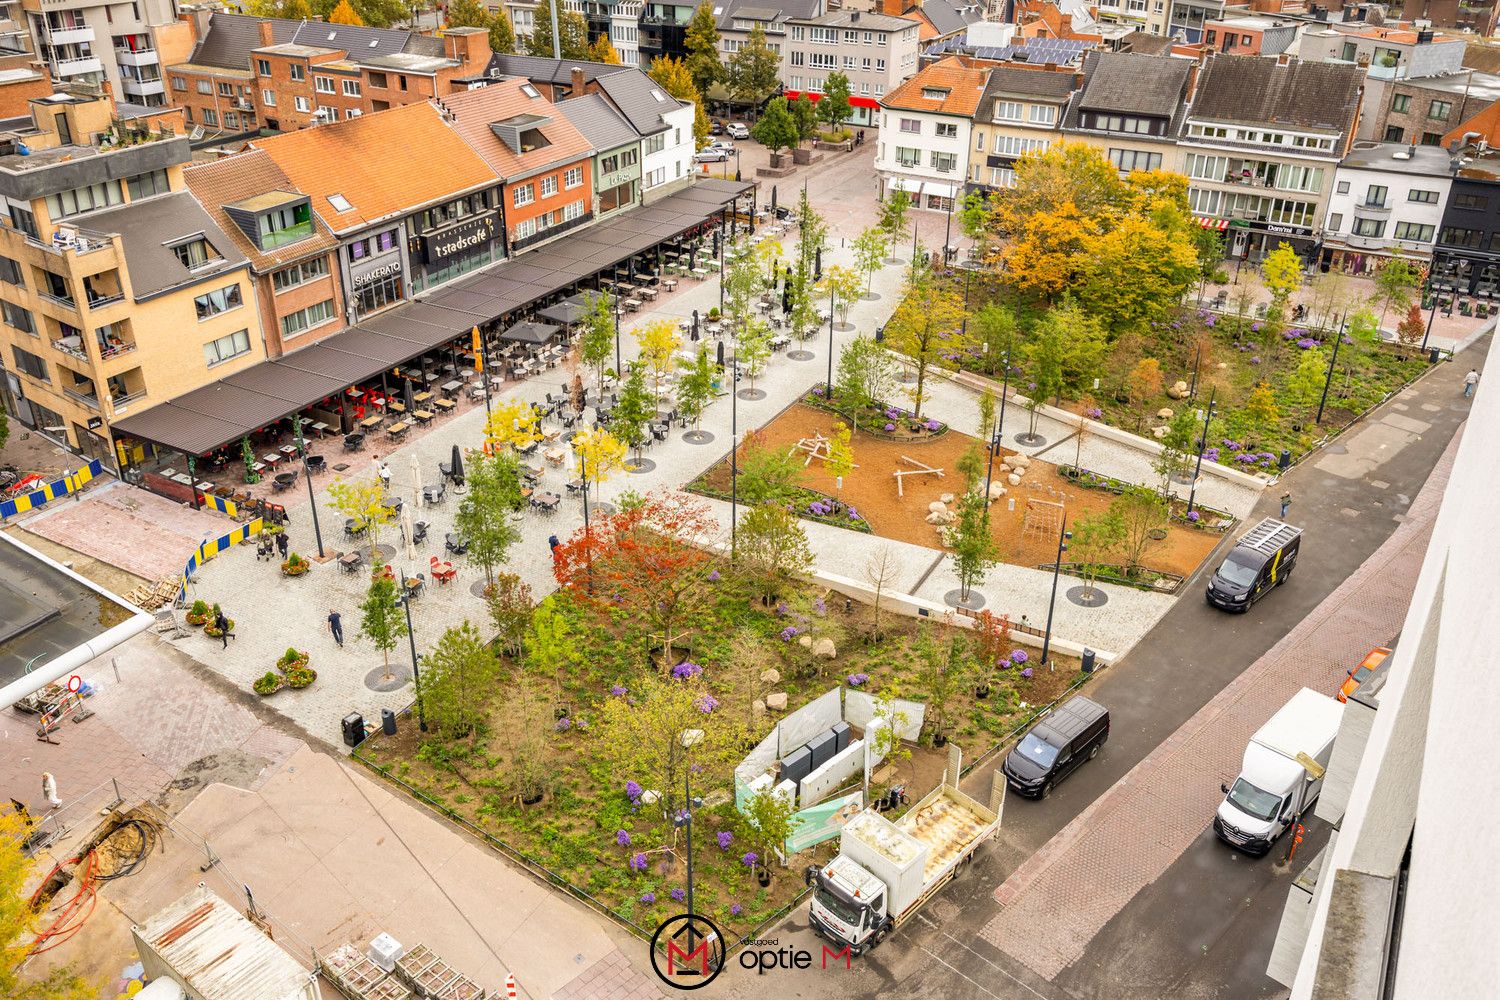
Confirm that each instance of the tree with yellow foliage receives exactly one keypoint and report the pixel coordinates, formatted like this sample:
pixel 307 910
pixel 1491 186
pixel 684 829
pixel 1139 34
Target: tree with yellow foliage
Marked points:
pixel 1066 174
pixel 18 923
pixel 512 424
pixel 345 14
pixel 676 79
pixel 840 460
pixel 926 328
pixel 363 501
pixel 1050 251
pixel 1138 271
pixel 658 342
pixel 603 50
pixel 600 455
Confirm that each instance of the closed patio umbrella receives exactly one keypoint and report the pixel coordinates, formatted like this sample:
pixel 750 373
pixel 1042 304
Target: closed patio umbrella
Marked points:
pixel 458 466
pixel 411 549
pixel 527 332
pixel 406 394
pixel 773 198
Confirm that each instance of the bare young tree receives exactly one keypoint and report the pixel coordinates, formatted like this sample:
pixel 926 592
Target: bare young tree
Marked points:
pixel 880 573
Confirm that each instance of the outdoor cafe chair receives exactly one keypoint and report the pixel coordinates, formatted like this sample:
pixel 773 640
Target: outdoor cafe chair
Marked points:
pixel 354 442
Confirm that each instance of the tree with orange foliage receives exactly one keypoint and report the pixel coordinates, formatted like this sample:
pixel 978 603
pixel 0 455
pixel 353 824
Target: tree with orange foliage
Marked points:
pixel 643 564
pixel 991 644
pixel 345 13
pixel 1051 250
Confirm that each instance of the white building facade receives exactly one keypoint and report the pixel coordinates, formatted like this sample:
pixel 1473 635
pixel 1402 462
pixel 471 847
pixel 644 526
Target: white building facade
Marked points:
pixel 926 131
pixel 877 52
pixel 1387 200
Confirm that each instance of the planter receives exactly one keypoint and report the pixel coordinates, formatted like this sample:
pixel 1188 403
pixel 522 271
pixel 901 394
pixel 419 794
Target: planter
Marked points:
pixel 982 692
pixel 780 161
pixel 299 568
pixel 1157 534
pixel 532 799
pixel 763 876
pixel 213 632
pixel 802 156
pixel 268 685
pixel 300 677
pixel 197 621
pixel 939 740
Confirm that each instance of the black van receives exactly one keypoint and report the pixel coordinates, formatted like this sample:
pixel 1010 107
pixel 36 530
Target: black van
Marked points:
pixel 1072 734
pixel 1260 561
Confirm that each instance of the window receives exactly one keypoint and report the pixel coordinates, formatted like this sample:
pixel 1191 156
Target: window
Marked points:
pixel 1395 133
pixel 196 253
pixel 221 350
pixel 1343 187
pixel 1336 221
pixel 1432 139
pixel 179 83
pixel 1401 103
pixel 1470 239
pixel 23 220
pixel 549 186
pixel 851 62
pixel 947 130
pixel 1471 202
pixel 377 80
pixel 351 88
pixel 911 126
pixel 145 185
pixel 525 228
pixel 1207 168
pixel 524 194
pixel 10 272
pixel 401 80
pixel 1440 110
pixel 799 58
pixel 851 38
pixel 866 64
pixel 1132 159
pixel 31 364
pixel 823 60
pixel 263 67
pixel 324 85
pixel 572 177
pixel 824 36
pixel 302 103
pixel 299 72
pixel 220 300
pixel 656 143
pixel 305 319
pixel 880 63
pixel 944 162
pixel 1043 114
pixel 573 210
pixel 210 117
pixel 1002 177
pixel 268 98
pixel 205 87
pixel 351 113
pixel 530 91
pixel 299 274
pixel 1369 227
pixel 226 89
pixel 1375 195
pixel 231 119
pixel 979 142
pixel 1014 146
pixel 84 199
pixel 1413 231
pixel 17 317
pixel 1424 197
pixel 906 157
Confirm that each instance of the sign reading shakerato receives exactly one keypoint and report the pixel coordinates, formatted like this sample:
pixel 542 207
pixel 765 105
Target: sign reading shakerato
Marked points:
pixel 463 240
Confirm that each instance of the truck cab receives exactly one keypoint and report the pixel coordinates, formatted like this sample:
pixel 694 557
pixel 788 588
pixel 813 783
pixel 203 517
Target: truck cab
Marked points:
pixel 848 904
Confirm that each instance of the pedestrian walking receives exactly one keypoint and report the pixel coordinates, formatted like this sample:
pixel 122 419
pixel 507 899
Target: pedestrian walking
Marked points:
pixel 49 790
pixel 553 543
pixel 1286 503
pixel 336 626
pixel 385 475
pixel 221 622
pixel 282 544
pixel 1470 381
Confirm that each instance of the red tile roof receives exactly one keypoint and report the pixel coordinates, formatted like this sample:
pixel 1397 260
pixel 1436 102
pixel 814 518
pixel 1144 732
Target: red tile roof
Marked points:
pixel 474 111
pixel 962 84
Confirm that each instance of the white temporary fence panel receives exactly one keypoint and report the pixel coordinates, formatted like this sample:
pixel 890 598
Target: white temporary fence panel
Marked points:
pixel 859 709
pixel 835 773
pixel 758 761
pixel 823 712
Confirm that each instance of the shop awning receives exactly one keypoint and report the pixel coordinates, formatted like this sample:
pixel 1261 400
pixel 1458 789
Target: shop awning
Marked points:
pixel 1218 225
pixel 912 185
pixel 938 189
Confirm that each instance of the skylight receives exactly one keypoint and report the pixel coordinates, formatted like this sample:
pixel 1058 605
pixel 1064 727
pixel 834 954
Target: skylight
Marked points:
pixel 340 203
pixel 374 42
pixel 658 94
pixel 529 90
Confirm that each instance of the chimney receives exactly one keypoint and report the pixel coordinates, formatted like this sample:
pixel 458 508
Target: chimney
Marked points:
pixel 469 47
pixel 853 16
pixel 576 90
pixel 1283 59
pixel 266 36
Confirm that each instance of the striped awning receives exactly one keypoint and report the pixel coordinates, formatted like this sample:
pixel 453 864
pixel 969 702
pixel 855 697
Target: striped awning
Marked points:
pixel 1218 225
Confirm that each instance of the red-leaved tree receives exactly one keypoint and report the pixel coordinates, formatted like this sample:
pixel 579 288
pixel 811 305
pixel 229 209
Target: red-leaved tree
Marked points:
pixel 643 564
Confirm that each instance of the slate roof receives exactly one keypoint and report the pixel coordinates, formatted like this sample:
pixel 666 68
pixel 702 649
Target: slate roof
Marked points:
pixel 1132 84
pixel 862 20
pixel 598 121
pixel 965 85
pixel 1011 80
pixel 231 38
pixel 147 228
pixel 1311 95
pixel 948 16
pixel 474 111
pixel 634 95
pixel 353 158
pixel 223 182
pixel 540 69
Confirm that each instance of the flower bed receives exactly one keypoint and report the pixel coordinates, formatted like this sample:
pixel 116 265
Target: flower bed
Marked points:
pixel 803 502
pixel 880 419
pixel 1144 578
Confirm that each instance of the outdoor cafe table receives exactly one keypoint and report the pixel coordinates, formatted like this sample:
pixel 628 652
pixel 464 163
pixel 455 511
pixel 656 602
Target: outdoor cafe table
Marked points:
pixel 649 294
pixel 421 397
pixel 397 429
pixel 451 388
pixel 422 416
pixel 370 423
pixel 321 428
pixel 288 450
pixel 447 404
pixel 669 284
pixel 397 407
pixel 273 459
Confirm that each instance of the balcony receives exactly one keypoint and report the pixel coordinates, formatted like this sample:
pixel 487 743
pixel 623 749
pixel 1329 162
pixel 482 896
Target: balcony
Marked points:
pixel 58 300
pixel 70 36
pixel 137 57
pixel 115 349
pixel 72 347
pixel 1372 210
pixel 88 399
pixel 144 87
pixel 78 67
pixel 84 241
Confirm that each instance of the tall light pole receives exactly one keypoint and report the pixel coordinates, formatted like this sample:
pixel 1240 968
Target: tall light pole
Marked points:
pixel 481 365
pixel 995 438
pixel 829 383
pixel 416 672
pixel 734 455
pixel 1208 416
pixel 1328 379
pixel 1062 546
pixel 619 371
pixel 688 739
pixel 312 499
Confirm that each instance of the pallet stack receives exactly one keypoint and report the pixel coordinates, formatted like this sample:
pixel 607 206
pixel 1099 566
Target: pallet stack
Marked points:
pixel 150 596
pixel 358 978
pixel 434 979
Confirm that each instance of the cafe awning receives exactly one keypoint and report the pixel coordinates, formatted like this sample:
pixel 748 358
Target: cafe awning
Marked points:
pixel 528 332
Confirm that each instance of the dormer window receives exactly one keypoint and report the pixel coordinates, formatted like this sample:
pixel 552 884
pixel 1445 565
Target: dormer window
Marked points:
pixel 935 93
pixel 274 219
pixel 197 253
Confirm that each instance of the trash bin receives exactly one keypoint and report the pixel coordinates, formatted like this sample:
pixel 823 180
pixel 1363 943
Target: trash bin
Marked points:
pixel 1285 461
pixel 1433 356
pixel 1088 660
pixel 388 722
pixel 354 729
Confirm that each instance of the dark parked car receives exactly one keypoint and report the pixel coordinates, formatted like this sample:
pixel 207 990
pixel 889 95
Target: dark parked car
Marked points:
pixel 1259 562
pixel 1072 734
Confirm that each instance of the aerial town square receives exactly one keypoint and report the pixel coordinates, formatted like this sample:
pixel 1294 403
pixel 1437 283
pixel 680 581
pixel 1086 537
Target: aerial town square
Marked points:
pixel 603 500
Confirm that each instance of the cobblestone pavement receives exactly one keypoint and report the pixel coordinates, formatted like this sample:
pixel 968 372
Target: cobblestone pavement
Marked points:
pixel 613 977
pixel 1056 902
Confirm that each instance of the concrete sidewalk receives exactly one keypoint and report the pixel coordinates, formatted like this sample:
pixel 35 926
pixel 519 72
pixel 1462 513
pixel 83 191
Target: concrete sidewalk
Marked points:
pixel 1057 901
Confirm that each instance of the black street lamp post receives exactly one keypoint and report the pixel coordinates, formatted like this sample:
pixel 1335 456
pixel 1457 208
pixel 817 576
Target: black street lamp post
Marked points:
pixel 995 438
pixel 1328 379
pixel 829 384
pixel 312 499
pixel 734 455
pixel 619 372
pixel 1062 546
pixel 416 672
pixel 1208 416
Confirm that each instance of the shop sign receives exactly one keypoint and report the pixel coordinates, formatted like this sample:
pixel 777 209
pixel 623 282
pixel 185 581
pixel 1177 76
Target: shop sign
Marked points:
pixel 467 238
pixel 1281 230
pixel 373 271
